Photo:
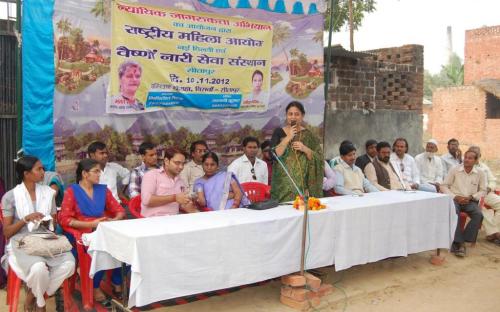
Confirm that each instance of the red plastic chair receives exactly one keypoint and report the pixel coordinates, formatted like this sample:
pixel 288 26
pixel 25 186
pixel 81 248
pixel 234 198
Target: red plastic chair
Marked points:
pixel 124 200
pixel 256 191
pixel 14 287
pixel 134 205
pixel 84 260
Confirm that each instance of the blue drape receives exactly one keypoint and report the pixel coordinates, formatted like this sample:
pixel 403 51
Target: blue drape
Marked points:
pixel 38 80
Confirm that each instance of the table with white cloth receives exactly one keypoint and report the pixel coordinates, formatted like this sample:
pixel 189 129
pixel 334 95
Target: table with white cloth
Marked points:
pixel 187 254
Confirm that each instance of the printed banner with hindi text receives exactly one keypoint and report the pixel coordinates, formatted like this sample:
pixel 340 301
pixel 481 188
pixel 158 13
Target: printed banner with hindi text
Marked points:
pixel 176 59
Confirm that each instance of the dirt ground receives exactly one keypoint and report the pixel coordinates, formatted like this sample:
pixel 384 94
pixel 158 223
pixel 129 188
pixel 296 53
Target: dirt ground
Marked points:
pixel 391 285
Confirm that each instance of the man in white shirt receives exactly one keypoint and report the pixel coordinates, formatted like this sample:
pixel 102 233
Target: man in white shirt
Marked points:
pixel 452 158
pixel 112 173
pixel 249 168
pixel 491 221
pixel 407 167
pixel 194 169
pixel 430 166
pixel 350 178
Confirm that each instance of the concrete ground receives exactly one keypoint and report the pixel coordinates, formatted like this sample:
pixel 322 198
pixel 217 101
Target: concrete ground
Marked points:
pixel 391 285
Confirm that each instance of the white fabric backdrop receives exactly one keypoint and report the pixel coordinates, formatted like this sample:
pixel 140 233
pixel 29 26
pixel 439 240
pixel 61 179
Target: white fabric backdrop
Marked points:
pixel 180 255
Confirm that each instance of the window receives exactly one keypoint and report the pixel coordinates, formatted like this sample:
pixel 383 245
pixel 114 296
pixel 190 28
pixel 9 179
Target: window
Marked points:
pixel 492 106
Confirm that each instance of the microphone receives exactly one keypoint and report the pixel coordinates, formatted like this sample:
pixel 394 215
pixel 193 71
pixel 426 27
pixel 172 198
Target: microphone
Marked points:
pixel 293 123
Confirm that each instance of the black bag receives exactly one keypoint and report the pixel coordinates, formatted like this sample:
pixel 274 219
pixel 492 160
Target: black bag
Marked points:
pixel 268 204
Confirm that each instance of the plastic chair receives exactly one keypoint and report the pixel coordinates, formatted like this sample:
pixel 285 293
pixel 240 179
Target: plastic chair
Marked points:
pixel 84 260
pixel 134 205
pixel 124 200
pixel 256 191
pixel 14 287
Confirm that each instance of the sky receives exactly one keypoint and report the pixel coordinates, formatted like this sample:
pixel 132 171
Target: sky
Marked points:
pixel 400 22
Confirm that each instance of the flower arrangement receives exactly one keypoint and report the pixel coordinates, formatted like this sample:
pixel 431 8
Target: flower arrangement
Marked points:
pixel 314 203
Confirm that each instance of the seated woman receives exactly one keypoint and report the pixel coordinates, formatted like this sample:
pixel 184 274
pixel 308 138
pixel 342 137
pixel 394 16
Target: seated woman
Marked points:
pixel 30 201
pixel 85 205
pixel 218 190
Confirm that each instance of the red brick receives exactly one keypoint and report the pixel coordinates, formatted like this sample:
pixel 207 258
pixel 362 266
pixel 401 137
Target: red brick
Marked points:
pixel 325 290
pixel 312 281
pixel 297 305
pixel 481 59
pixel 295 293
pixel 294 280
pixel 313 294
pixel 315 302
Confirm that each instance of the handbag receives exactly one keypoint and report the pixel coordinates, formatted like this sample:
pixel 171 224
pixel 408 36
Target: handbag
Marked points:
pixel 268 204
pixel 44 244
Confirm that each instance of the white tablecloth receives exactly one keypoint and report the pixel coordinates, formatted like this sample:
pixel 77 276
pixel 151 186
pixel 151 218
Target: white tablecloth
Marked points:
pixel 194 253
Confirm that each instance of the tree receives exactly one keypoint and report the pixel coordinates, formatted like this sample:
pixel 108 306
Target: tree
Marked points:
pixel 341 15
pixel 281 33
pixel 64 26
pixel 102 8
pixel 451 74
pixel 294 52
pixel 318 36
pixel 95 46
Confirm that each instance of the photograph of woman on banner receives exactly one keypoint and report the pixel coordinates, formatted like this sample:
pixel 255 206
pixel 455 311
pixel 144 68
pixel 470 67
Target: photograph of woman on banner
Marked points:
pixel 129 75
pixel 257 96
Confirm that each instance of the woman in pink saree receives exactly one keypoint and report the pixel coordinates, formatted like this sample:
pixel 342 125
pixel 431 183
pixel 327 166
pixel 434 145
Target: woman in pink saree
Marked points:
pixel 218 189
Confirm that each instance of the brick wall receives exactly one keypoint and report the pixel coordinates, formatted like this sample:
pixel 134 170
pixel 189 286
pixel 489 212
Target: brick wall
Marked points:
pixel 459 112
pixel 491 149
pixel 482 54
pixel 391 79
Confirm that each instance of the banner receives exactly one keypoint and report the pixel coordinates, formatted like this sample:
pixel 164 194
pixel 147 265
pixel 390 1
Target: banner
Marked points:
pixel 84 45
pixel 177 59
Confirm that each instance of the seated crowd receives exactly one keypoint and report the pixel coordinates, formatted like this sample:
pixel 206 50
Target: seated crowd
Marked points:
pixel 174 185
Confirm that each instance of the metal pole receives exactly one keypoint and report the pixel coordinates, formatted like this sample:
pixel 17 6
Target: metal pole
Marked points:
pixel 19 79
pixel 329 52
pixel 304 233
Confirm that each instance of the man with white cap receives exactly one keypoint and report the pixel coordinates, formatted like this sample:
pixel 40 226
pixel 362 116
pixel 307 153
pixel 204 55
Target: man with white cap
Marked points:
pixel 430 167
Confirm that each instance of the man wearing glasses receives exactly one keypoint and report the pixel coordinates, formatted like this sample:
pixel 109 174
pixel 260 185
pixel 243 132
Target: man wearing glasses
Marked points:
pixel 249 168
pixel 193 169
pixel 163 192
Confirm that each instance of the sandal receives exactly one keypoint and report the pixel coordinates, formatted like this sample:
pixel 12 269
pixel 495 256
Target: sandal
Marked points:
pixel 460 252
pixel 495 241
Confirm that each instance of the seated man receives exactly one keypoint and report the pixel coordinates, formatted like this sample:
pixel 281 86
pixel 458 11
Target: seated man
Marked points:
pixel 265 147
pixel 249 168
pixel 407 167
pixel 112 173
pixel 491 221
pixel 336 160
pixel 149 157
pixel 467 185
pixel 163 192
pixel 381 173
pixel 369 156
pixel 452 158
pixel 193 169
pixel 430 166
pixel 350 178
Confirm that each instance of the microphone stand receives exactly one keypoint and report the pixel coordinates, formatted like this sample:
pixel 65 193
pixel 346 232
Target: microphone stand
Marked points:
pixel 306 211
